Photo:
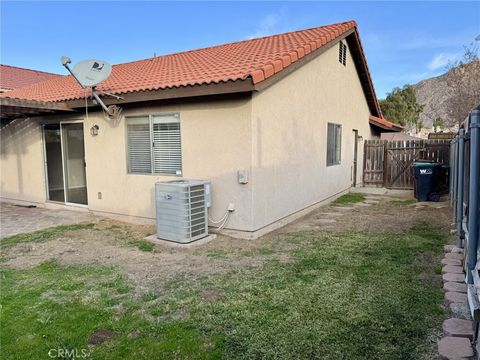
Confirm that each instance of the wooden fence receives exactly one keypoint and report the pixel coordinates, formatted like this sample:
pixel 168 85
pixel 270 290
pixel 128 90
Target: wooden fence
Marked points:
pixel 389 163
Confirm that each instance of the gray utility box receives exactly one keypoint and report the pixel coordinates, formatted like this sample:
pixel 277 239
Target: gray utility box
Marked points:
pixel 182 210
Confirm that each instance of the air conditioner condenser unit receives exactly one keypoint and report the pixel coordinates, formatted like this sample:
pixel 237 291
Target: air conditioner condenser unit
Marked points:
pixel 182 210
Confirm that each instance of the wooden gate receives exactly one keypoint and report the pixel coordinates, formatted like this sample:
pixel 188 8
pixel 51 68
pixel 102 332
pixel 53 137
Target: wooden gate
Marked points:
pixel 389 163
pixel 373 155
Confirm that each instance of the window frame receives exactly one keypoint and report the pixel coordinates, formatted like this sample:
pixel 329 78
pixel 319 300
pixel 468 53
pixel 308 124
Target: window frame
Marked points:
pixel 335 161
pixel 151 137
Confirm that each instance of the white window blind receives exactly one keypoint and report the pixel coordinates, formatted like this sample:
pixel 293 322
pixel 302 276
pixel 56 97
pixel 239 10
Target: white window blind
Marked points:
pixel 167 145
pixel 139 148
pixel 334 144
pixel 154 145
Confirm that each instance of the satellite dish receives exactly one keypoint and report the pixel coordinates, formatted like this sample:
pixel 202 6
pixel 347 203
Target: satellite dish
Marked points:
pixel 91 72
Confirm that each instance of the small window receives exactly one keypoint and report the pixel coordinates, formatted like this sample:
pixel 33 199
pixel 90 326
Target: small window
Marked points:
pixel 334 144
pixel 342 53
pixel 154 145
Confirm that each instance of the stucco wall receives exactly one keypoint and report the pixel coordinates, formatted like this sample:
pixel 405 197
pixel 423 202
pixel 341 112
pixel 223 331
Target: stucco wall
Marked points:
pixel 289 122
pixel 216 143
pixel 21 161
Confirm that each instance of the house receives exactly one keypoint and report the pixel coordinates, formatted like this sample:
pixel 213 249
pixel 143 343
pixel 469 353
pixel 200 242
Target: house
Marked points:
pixel 275 124
pixel 396 136
pixel 12 77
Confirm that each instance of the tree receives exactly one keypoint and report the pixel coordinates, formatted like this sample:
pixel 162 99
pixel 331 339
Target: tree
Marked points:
pixel 438 123
pixel 463 77
pixel 401 107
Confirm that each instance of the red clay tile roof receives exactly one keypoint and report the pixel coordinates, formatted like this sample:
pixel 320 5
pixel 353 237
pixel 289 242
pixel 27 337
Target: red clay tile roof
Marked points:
pixel 384 123
pixel 257 59
pixel 12 77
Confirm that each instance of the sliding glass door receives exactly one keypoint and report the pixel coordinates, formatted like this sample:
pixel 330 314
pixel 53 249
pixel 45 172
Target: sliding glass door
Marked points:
pixel 54 160
pixel 74 163
pixel 65 163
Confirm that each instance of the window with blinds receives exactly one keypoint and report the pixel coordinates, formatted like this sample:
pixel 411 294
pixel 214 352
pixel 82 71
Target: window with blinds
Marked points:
pixel 154 145
pixel 334 144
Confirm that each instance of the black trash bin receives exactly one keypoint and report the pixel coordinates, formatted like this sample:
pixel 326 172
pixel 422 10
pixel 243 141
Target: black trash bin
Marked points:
pixel 425 174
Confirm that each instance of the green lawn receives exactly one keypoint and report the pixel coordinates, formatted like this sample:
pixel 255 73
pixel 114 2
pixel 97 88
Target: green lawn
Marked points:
pixel 339 296
pixel 350 198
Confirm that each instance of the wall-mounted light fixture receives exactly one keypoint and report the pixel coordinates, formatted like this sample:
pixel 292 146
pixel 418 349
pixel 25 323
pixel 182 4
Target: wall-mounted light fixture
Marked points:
pixel 94 130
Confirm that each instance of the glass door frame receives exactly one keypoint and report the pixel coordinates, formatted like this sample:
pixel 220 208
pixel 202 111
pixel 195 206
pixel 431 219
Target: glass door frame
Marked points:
pixel 60 123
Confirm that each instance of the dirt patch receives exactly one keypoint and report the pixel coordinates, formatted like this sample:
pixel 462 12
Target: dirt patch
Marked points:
pixel 212 294
pixel 112 243
pixel 99 336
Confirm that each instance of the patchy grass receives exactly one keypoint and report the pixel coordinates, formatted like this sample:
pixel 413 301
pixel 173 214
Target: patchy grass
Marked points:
pixel 403 202
pixel 55 307
pixel 217 254
pixel 42 235
pixel 340 296
pixel 349 199
pixel 125 235
pixel 143 245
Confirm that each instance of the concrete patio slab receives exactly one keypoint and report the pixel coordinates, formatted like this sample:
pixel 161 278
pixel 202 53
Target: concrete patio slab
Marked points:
pixel 16 219
pixel 154 239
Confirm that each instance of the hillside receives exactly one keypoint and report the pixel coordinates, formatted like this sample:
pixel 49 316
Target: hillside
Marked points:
pixel 439 97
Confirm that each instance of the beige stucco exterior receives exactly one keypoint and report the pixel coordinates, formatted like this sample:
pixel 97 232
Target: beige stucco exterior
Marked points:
pixel 277 136
pixel 21 161
pixel 216 143
pixel 290 137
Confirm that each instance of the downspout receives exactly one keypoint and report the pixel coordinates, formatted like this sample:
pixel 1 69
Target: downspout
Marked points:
pixel 459 190
pixel 473 193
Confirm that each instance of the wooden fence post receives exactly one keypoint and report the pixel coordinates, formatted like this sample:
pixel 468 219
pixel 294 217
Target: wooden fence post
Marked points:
pixel 385 163
pixel 364 161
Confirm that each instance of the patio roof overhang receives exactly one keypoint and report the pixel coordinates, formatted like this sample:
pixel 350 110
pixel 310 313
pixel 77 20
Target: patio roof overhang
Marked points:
pixel 11 109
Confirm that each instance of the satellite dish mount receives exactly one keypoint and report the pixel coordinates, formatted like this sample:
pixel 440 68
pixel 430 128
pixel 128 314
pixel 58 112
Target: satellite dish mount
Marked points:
pixel 88 74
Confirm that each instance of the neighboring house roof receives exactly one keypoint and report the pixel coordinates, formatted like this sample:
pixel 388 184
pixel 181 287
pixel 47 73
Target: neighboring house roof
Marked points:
pixel 12 77
pixel 394 136
pixel 384 123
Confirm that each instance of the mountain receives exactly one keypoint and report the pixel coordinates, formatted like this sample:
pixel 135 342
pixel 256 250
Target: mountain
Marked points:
pixel 456 91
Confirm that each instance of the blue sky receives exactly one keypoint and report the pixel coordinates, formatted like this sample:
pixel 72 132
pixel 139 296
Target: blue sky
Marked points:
pixel 405 42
